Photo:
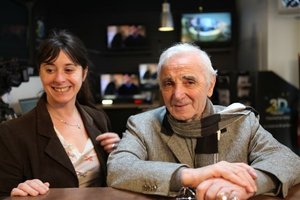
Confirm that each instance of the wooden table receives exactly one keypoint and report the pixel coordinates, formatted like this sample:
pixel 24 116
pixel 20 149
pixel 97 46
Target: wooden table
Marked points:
pixel 107 193
pixel 99 193
pixel 294 194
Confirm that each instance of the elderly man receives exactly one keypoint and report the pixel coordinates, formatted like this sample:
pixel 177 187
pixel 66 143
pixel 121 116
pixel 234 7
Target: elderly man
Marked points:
pixel 219 152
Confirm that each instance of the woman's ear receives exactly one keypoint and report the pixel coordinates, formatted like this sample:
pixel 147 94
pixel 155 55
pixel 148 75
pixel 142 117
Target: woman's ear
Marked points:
pixel 211 86
pixel 84 73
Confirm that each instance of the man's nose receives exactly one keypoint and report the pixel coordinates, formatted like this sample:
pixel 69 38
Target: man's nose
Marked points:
pixel 179 91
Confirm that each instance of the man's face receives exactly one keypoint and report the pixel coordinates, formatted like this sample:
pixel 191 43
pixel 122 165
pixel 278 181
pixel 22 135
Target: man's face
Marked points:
pixel 184 86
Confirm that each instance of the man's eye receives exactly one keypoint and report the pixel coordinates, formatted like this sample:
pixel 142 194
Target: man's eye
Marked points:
pixel 167 84
pixel 189 83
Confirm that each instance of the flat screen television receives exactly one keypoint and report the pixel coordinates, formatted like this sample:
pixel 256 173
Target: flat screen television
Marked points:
pixel 207 29
pixel 126 37
pixel 122 88
pixel 148 75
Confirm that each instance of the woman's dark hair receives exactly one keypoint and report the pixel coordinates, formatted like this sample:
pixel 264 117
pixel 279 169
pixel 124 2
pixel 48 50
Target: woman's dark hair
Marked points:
pixel 63 40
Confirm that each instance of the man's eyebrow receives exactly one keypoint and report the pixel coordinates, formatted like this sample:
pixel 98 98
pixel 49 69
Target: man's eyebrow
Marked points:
pixel 190 77
pixel 168 78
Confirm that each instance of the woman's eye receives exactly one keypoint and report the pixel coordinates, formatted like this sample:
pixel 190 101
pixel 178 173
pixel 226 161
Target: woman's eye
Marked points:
pixel 49 70
pixel 69 70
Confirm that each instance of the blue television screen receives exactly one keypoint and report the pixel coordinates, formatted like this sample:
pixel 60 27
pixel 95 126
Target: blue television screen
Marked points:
pixel 210 28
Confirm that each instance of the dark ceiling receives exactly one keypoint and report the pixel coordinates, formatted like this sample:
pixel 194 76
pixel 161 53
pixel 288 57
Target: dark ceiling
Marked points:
pixel 133 5
pixel 120 6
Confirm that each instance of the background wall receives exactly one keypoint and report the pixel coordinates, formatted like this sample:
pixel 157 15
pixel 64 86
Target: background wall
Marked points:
pixel 284 43
pixel 269 40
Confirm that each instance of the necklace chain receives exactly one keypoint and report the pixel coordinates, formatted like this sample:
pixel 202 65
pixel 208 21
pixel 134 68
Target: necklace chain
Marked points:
pixel 77 125
pixel 68 124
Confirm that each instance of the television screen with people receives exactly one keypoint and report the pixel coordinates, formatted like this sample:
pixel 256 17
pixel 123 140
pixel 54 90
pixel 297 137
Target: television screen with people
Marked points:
pixel 119 85
pixel 208 29
pixel 148 75
pixel 126 36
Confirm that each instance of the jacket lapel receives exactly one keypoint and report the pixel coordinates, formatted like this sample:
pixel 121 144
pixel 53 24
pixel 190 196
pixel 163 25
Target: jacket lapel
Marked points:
pixel 178 147
pixel 55 150
pixel 176 144
pixel 49 141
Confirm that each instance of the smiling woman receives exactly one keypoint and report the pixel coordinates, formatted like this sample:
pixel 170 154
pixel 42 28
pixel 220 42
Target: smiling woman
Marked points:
pixel 65 132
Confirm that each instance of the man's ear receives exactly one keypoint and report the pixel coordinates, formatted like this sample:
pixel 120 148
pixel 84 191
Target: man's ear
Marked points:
pixel 211 86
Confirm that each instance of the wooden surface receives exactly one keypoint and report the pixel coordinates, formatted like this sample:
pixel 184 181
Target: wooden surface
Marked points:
pixel 107 193
pixel 100 193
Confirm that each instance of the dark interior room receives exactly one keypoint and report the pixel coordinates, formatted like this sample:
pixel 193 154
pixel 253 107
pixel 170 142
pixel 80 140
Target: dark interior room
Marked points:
pixel 27 22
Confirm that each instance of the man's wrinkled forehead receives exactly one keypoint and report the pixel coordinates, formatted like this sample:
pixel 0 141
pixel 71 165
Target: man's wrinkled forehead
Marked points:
pixel 180 66
pixel 182 71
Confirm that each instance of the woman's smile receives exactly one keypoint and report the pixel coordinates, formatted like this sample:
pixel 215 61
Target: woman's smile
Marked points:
pixel 62 89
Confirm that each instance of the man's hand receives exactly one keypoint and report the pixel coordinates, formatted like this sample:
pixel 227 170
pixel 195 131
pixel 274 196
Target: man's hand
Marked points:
pixel 219 188
pixel 238 173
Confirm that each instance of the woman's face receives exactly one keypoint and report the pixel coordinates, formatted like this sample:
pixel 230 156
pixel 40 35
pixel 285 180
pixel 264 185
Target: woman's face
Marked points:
pixel 62 80
pixel 184 86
